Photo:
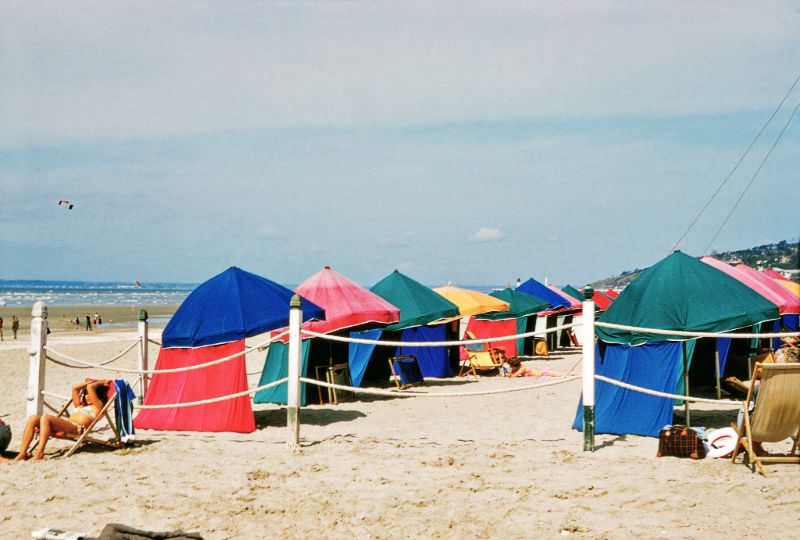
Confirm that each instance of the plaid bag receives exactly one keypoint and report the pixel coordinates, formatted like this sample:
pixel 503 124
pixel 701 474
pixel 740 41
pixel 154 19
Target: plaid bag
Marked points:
pixel 680 441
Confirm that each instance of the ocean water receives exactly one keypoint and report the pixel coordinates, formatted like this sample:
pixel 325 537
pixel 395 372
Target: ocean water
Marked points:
pixel 23 293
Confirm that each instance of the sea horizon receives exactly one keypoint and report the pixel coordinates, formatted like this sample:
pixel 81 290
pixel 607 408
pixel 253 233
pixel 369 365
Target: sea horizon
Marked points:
pixel 25 292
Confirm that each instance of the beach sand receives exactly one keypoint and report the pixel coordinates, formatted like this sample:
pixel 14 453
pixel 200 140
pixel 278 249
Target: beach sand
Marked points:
pixel 496 466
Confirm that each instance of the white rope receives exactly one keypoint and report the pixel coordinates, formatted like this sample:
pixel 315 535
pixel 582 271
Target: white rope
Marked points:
pixel 216 399
pixel 694 334
pixel 260 347
pixel 417 393
pixel 665 394
pixel 120 355
pixel 344 339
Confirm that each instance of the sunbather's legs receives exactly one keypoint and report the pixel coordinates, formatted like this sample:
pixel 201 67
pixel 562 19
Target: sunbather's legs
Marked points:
pixel 49 424
pixel 27 437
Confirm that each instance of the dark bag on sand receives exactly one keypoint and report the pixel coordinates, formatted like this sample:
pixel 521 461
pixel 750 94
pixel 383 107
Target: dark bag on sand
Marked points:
pixel 680 441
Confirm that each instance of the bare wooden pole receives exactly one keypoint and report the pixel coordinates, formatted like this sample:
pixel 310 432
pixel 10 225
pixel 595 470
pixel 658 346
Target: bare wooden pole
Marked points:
pixel 293 384
pixel 37 359
pixel 588 369
pixel 142 360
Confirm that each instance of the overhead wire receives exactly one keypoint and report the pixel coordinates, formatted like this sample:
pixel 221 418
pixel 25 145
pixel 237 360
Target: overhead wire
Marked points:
pixel 755 175
pixel 736 166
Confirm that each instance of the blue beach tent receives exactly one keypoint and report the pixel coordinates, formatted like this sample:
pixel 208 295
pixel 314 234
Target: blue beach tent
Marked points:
pixel 534 288
pixel 231 306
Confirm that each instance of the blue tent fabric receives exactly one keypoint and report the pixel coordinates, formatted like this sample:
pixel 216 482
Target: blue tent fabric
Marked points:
pixel 230 306
pixel 358 354
pixel 620 411
pixel 433 361
pixel 535 288
pixel 792 322
pixel 276 366
pixel 723 346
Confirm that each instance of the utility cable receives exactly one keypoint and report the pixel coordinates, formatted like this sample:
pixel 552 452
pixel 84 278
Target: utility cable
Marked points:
pixel 735 167
pixel 750 183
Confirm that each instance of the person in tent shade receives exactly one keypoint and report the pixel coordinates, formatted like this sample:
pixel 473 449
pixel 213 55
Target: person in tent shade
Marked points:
pixel 88 399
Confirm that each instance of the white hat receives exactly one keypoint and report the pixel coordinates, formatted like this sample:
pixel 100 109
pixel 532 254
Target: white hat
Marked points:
pixel 722 442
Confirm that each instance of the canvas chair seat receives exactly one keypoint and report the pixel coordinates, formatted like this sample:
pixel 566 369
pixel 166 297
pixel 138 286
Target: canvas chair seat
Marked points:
pixel 776 415
pixel 481 358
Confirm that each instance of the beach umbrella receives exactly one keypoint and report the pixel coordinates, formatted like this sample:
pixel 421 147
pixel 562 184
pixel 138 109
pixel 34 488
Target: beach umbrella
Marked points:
pixel 538 290
pixel 471 302
pixel 346 304
pixel 419 305
pixel 520 305
pixel 682 293
pixel 230 306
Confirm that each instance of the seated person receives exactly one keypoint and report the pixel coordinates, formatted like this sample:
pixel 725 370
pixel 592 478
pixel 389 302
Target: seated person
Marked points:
pixel 88 400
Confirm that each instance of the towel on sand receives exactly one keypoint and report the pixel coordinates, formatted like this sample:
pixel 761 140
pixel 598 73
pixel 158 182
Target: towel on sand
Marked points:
pixel 117 531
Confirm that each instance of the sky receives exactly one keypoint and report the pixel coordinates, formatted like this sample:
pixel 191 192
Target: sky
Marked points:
pixel 467 142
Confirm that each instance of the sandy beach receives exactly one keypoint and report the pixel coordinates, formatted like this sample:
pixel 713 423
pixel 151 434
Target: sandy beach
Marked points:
pixel 497 466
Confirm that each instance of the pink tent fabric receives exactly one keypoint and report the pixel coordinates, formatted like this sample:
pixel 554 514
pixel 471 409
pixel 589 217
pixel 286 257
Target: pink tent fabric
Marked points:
pixel 770 273
pixel 486 329
pixel 792 301
pixel 219 380
pixel 574 302
pixel 346 304
pixel 748 280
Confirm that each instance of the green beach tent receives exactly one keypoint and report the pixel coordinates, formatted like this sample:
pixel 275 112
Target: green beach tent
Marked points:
pixel 572 291
pixel 520 304
pixel 683 293
pixel 418 304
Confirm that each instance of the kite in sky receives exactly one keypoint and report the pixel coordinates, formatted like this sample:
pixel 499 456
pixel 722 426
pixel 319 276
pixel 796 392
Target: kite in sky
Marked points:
pixel 65 202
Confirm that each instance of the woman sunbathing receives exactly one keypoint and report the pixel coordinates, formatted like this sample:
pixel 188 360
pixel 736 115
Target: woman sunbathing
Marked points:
pixel 88 400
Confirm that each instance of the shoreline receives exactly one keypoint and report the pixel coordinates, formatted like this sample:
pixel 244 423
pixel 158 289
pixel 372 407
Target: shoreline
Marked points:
pixel 61 319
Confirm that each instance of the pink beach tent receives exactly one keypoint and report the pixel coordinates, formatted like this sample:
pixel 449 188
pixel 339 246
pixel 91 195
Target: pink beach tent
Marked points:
pixel 770 273
pixel 750 281
pixel 791 299
pixel 574 302
pixel 346 304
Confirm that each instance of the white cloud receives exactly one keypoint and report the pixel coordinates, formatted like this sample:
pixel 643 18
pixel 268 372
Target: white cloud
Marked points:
pixel 488 234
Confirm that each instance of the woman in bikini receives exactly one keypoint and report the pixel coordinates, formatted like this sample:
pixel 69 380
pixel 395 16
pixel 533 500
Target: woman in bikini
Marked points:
pixel 88 400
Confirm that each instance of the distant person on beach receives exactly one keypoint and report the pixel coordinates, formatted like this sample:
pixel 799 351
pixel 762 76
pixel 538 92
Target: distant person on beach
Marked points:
pixel 88 399
pixel 77 320
pixel 1 329
pixel 88 322
pixel 14 325
pixel 99 320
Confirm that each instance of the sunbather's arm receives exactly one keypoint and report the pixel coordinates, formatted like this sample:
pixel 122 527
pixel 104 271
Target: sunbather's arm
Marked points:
pixel 76 394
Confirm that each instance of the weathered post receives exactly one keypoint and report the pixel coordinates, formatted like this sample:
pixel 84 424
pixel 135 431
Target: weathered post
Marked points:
pixel 588 369
pixel 293 384
pixel 142 358
pixel 37 359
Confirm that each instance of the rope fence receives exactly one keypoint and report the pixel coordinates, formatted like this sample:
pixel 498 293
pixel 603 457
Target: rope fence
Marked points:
pixel 389 343
pixel 657 393
pixel 695 334
pixel 417 393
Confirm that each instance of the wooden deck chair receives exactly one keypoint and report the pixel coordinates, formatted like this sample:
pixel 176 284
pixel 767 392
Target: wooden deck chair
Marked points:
pixel 405 371
pixel 88 435
pixel 776 415
pixel 481 358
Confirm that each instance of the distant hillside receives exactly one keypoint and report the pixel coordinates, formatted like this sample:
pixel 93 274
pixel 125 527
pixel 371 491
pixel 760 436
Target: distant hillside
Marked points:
pixel 783 255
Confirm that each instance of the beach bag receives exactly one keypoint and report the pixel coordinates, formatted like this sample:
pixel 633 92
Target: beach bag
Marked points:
pixel 540 348
pixel 680 441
